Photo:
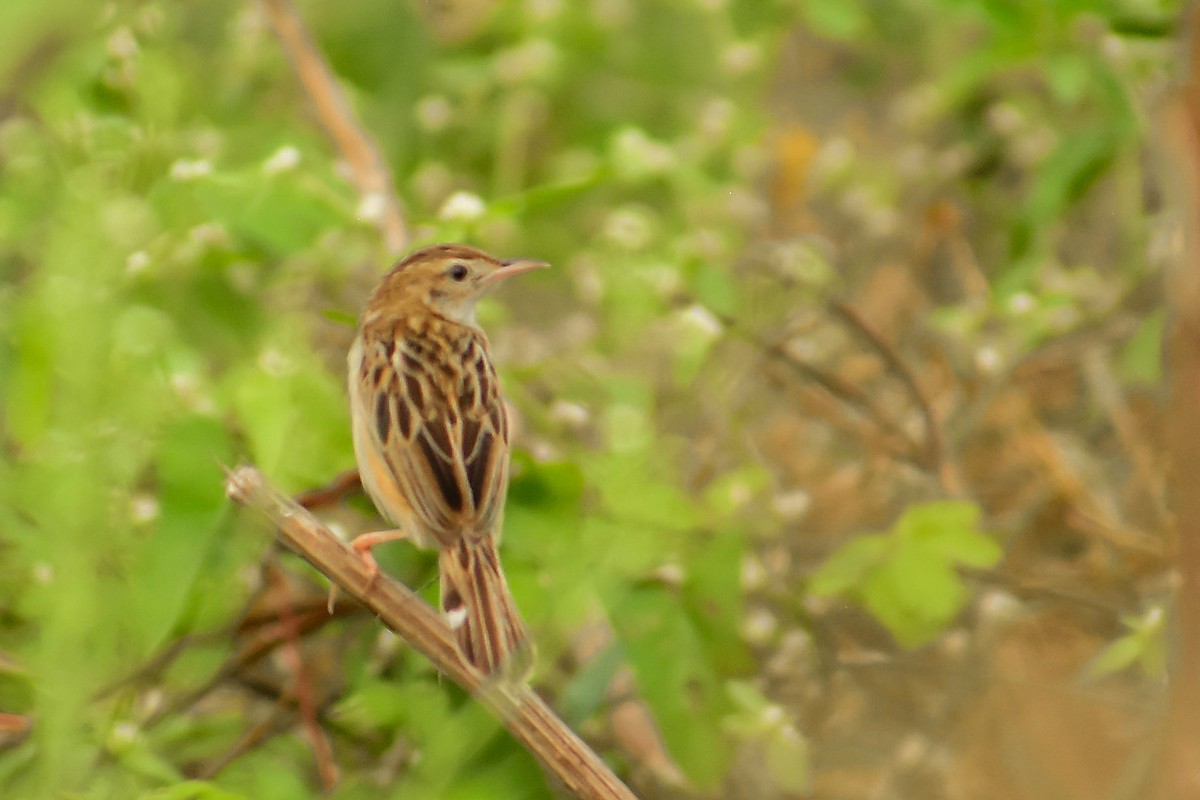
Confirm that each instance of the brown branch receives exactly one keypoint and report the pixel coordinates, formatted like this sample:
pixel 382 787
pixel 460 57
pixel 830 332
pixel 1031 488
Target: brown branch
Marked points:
pixel 933 451
pixel 1177 776
pixel 368 169
pixel 527 717
pixel 1111 398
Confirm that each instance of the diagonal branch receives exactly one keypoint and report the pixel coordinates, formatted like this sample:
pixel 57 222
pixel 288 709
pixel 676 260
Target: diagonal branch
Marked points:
pixel 368 169
pixel 527 717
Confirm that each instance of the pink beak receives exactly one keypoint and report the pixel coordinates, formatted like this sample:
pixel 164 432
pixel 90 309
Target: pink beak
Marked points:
pixel 511 267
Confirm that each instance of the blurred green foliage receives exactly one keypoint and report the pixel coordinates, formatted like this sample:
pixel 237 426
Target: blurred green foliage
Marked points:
pixel 179 255
pixel 907 577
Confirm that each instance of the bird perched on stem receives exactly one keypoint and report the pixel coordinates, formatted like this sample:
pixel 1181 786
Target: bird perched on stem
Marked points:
pixel 431 437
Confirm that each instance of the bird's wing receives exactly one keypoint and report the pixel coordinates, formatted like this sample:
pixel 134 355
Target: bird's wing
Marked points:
pixel 439 422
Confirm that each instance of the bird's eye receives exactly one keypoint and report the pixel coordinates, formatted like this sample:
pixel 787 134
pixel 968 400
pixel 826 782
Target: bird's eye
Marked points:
pixel 458 272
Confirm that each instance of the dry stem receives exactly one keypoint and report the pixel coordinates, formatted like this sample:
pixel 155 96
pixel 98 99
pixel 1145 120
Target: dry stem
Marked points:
pixel 368 170
pixel 527 717
pixel 1178 776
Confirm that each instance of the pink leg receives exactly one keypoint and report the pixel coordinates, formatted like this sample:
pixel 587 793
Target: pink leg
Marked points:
pixel 365 543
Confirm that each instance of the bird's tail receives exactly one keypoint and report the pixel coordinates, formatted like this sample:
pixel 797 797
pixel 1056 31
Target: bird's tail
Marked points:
pixel 480 610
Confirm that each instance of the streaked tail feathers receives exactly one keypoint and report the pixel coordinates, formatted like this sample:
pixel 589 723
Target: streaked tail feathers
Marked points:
pixel 480 610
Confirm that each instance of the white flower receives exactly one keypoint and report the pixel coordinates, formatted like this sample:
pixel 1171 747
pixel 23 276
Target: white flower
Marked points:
pixel 701 319
pixel 464 206
pixel 635 154
pixel 631 228
pixel 571 414
pixel 284 159
pixel 526 61
pixel 371 207
pixel 434 112
pixel 1021 303
pixel 137 262
pixel 189 170
pixel 143 508
pixel 742 57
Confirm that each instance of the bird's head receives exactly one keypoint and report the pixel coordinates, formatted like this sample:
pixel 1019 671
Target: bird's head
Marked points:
pixel 448 279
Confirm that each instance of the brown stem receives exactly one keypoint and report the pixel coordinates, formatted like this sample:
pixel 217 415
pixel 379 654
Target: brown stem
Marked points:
pixel 933 432
pixel 1177 776
pixel 368 169
pixel 527 717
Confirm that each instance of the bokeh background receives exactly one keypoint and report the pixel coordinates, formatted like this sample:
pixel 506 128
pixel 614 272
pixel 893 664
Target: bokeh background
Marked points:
pixel 839 470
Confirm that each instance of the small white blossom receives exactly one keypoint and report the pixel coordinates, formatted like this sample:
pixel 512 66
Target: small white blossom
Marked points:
pixel 701 319
pixel 635 154
pixel 716 115
pixel 282 160
pixel 122 734
pixel 631 228
pixel 987 359
pixel 122 44
pixel 1004 118
pixel 525 62
pixel 274 363
pixel 143 508
pixel 670 574
pixel 137 262
pixel 572 414
pixel 371 207
pixel 742 57
pixel 189 170
pixel 1021 303
pixel 792 505
pixel 754 574
pixel 543 10
pixel 209 234
pixel 759 626
pixel 611 13
pixel 464 206
pixel 434 112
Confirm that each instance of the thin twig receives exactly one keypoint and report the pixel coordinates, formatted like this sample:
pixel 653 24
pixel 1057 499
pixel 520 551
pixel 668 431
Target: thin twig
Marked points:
pixel 527 717
pixel 1111 398
pixel 368 169
pixel 933 432
pixel 302 689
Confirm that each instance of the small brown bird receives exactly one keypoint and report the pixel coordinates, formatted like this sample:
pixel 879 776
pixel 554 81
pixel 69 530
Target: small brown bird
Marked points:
pixel 431 437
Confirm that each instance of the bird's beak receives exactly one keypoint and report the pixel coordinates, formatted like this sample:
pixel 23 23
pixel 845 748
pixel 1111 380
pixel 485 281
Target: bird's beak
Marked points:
pixel 514 266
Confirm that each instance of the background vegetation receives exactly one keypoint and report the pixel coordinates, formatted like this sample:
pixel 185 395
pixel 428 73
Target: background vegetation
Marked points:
pixel 839 449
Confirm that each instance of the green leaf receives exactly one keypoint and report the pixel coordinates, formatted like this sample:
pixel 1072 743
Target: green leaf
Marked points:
pixel 193 790
pixel 712 594
pixel 1115 657
pixel 834 19
pixel 848 566
pixel 789 760
pixel 1069 75
pixel 295 417
pixel 385 705
pixel 638 488
pixel 964 546
pixel 930 587
pixel 907 578
pixel 746 699
pixel 931 518
pixel 278 214
pixel 676 679
pixel 587 691
pixel 884 600
pixel 192 499
pixel 1141 359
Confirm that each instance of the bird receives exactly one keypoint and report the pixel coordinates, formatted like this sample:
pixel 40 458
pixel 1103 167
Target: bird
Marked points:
pixel 431 438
